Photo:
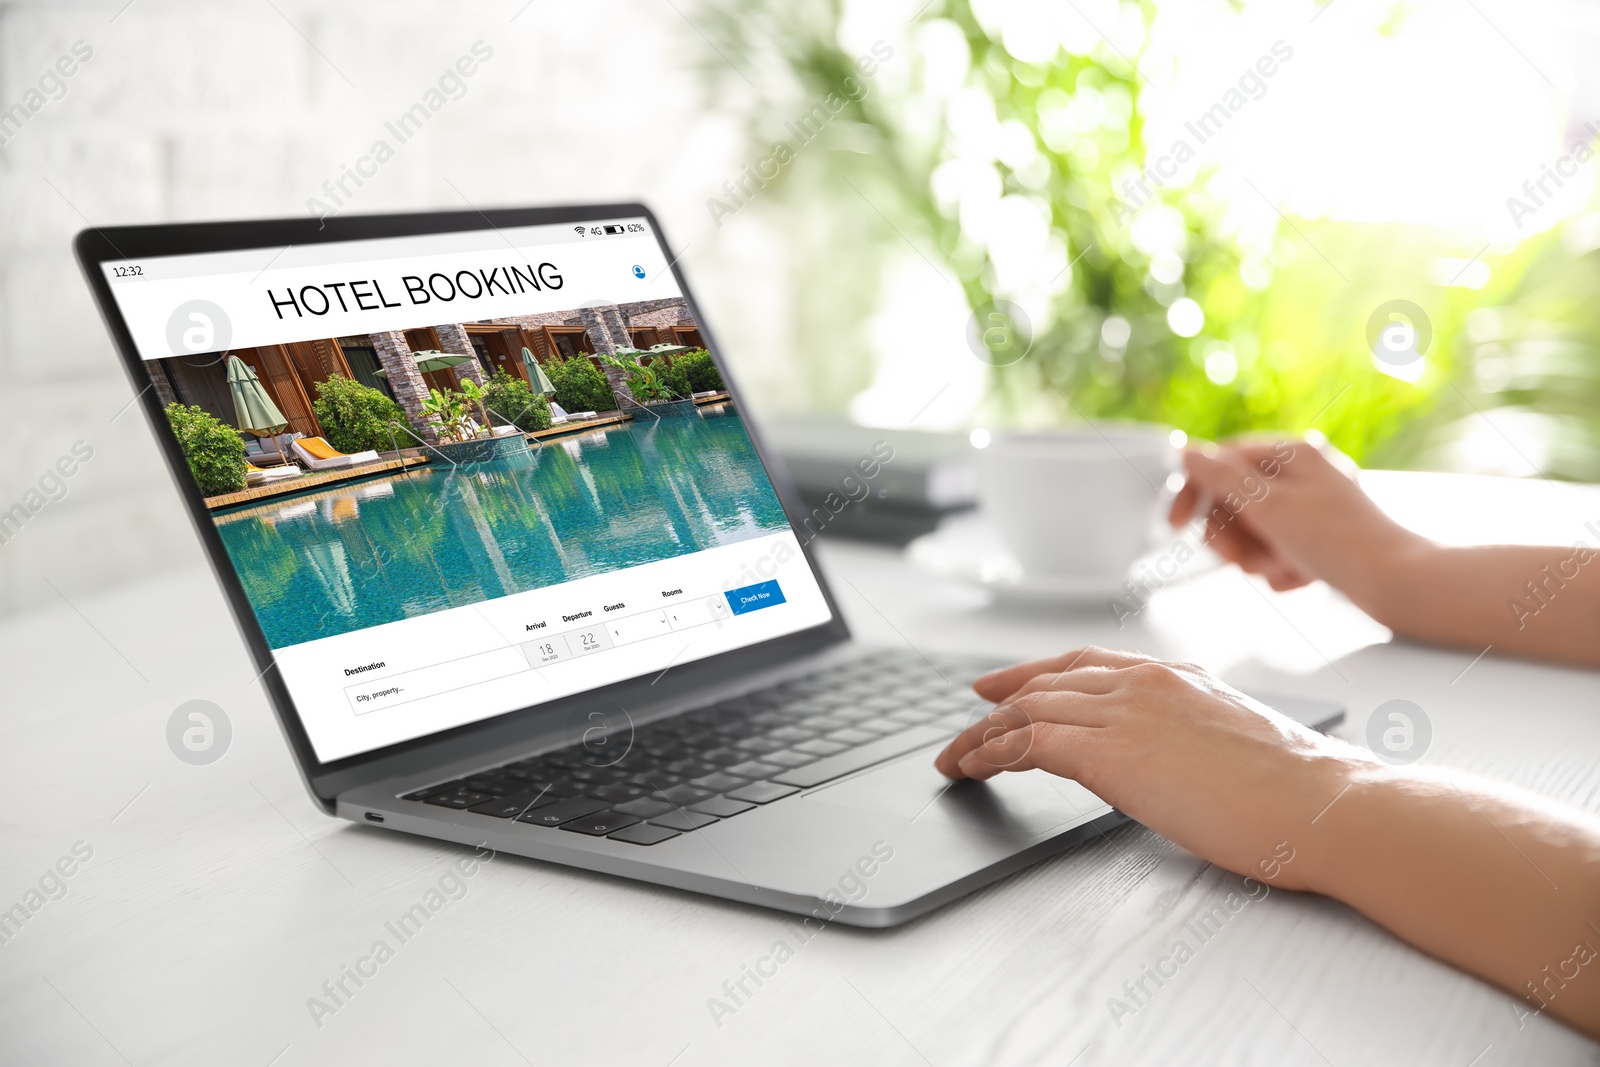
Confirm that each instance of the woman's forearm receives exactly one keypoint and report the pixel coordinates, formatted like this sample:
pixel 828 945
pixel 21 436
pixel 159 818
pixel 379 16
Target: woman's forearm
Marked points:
pixel 1542 602
pixel 1495 881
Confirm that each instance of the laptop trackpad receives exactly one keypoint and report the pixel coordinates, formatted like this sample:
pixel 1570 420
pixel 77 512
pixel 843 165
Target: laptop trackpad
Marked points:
pixel 1027 803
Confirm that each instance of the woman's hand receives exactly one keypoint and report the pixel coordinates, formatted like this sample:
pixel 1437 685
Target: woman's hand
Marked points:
pixel 1287 511
pixel 1496 881
pixel 1222 775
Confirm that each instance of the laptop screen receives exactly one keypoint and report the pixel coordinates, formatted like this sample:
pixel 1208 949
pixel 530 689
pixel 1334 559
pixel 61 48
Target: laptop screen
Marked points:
pixel 466 473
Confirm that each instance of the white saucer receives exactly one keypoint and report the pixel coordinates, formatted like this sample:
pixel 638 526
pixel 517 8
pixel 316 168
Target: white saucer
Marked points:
pixel 966 548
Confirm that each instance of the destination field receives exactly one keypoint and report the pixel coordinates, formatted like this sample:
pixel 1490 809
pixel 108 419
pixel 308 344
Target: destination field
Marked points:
pixel 375 694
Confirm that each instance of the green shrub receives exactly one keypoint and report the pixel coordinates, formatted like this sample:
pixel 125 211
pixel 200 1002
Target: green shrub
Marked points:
pixel 674 378
pixel 580 385
pixel 690 373
pixel 356 417
pixel 214 449
pixel 645 383
pixel 511 399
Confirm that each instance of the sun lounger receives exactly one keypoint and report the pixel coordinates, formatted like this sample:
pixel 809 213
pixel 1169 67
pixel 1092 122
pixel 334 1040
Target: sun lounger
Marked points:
pixel 499 431
pixel 254 475
pixel 560 415
pixel 263 451
pixel 319 455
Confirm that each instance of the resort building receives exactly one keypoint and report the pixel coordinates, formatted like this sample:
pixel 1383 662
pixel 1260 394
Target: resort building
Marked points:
pixel 290 372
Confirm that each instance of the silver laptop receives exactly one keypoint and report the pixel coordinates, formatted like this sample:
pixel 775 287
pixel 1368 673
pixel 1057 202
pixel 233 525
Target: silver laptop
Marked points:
pixel 518 571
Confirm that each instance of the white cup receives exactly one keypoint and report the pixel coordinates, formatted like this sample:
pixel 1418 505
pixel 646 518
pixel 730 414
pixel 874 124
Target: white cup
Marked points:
pixel 1079 503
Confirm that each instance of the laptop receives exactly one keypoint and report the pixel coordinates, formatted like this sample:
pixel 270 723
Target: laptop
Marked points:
pixel 518 570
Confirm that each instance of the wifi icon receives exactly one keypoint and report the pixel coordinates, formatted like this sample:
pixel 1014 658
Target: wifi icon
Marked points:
pixel 578 230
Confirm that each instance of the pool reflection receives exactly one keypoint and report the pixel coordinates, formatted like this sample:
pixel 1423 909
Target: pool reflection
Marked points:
pixel 439 537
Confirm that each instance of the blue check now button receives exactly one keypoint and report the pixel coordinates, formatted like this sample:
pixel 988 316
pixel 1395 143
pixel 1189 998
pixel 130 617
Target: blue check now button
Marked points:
pixel 754 597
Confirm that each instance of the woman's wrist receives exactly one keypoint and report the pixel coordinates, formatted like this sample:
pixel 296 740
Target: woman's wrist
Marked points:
pixel 1337 841
pixel 1492 880
pixel 1384 571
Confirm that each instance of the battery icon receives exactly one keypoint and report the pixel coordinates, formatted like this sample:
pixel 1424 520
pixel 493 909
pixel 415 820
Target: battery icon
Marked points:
pixel 613 229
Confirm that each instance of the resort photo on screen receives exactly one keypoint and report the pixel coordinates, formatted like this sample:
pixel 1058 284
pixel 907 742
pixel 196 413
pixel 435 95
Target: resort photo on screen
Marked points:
pixel 401 473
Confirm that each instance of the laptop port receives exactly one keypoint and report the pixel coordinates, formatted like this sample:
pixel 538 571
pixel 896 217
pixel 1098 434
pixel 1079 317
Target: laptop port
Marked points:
pixel 373 816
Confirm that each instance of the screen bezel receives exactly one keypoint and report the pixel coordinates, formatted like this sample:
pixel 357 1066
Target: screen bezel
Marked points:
pixel 97 245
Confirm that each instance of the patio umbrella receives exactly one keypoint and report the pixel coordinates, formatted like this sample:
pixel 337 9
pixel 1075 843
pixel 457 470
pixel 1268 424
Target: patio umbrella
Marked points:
pixel 253 408
pixel 429 361
pixel 536 374
pixel 630 352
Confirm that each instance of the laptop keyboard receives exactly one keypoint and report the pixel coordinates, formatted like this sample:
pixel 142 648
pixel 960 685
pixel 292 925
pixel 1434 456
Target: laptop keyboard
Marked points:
pixel 687 771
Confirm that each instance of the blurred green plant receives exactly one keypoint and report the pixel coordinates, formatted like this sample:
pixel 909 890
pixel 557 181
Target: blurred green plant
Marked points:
pixel 1275 339
pixel 1531 381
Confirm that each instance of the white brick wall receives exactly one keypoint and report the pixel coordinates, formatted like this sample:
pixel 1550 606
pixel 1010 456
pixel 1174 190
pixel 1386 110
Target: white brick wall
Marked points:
pixel 191 110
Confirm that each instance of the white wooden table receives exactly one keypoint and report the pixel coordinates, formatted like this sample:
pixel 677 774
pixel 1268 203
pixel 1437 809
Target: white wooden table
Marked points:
pixel 217 900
